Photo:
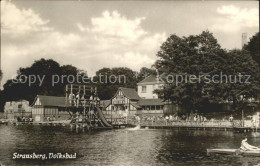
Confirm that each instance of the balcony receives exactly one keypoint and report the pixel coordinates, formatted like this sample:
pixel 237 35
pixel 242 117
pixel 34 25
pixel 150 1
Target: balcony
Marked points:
pixel 118 102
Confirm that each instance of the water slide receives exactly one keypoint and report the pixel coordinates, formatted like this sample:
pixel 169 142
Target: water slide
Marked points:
pixel 102 117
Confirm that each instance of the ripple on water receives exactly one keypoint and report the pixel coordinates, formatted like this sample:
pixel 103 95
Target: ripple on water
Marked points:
pixel 123 147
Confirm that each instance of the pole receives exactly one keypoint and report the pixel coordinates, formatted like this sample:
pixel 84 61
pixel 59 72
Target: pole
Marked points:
pixel 242 118
pixel 66 95
pixel 71 93
pixel 125 110
pixel 111 112
pixel 84 101
pixel 128 109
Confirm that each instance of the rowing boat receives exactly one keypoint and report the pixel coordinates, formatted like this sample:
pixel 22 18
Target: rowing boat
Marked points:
pixel 234 152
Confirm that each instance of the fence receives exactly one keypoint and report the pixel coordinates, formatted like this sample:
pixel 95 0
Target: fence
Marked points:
pixel 211 123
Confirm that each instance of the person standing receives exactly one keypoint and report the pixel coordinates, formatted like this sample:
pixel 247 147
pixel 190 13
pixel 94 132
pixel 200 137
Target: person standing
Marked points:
pixel 71 99
pixel 166 120
pixel 77 98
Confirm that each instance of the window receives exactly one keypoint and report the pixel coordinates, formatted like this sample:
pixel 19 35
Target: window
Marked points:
pixel 20 105
pixel 143 89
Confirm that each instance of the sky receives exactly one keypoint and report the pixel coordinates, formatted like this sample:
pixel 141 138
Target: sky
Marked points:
pixel 95 34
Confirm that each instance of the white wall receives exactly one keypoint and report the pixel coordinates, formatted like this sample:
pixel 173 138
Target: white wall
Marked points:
pixel 16 106
pixel 149 91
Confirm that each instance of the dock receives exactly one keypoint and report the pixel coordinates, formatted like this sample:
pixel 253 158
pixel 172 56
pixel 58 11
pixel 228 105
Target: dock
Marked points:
pixel 47 123
pixel 205 126
pixel 188 127
pixel 220 128
pixel 216 125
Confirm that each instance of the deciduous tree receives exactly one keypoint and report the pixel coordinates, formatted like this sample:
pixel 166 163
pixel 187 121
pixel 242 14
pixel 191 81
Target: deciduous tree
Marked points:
pixel 200 56
pixel 253 48
pixel 43 68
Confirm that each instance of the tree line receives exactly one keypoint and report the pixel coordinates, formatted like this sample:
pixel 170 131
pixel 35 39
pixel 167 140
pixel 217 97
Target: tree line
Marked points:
pixel 47 68
pixel 193 55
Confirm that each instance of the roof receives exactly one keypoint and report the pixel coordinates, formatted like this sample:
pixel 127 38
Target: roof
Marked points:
pixel 135 105
pixel 105 103
pixel 130 93
pixel 51 100
pixel 143 102
pixel 150 79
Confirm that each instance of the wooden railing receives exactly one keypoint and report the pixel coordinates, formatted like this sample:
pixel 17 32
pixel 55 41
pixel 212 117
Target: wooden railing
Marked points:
pixel 183 123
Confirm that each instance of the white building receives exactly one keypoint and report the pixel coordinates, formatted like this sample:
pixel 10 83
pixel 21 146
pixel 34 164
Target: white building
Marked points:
pixel 147 86
pixel 21 108
pixel 142 102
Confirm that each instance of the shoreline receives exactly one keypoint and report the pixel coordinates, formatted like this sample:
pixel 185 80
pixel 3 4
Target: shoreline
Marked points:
pixel 174 126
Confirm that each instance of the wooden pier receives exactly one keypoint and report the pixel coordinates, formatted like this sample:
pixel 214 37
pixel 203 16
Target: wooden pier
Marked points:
pixel 188 127
pixel 50 123
pixel 183 126
pixel 245 129
pixel 214 128
pixel 217 125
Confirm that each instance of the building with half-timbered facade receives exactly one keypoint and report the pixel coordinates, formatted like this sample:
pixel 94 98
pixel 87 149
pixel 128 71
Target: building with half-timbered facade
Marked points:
pixel 129 102
pixel 124 102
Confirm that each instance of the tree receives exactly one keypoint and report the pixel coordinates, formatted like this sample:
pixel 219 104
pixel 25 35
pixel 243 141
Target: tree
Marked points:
pixel 109 80
pixel 2 101
pixel 145 72
pixel 1 74
pixel 1 94
pixel 47 70
pixel 127 76
pixel 253 48
pixel 240 62
pixel 69 70
pixel 197 55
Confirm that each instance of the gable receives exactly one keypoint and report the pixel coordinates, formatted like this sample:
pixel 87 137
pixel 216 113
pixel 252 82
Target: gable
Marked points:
pixel 129 93
pixel 150 80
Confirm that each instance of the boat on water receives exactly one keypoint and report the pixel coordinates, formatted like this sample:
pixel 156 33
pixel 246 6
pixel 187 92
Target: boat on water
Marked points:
pixel 245 150
pixel 234 152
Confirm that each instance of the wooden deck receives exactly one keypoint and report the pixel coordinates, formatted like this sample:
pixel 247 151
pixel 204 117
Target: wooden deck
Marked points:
pixel 145 125
pixel 216 128
pixel 245 129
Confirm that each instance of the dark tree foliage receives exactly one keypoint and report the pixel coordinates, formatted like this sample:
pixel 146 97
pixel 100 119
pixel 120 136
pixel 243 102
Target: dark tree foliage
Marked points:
pixel 241 62
pixel 145 72
pixel 201 55
pixel 105 81
pixel 107 89
pixel 2 101
pixel 15 90
pixel 253 47
pixel 106 84
pixel 1 74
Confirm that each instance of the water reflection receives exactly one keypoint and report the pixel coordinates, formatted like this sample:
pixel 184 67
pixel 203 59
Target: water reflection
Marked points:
pixel 123 147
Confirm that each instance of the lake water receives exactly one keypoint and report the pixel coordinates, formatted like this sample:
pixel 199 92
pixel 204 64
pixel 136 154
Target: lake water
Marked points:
pixel 122 146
